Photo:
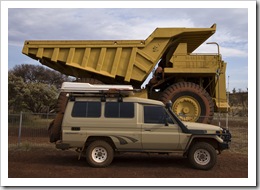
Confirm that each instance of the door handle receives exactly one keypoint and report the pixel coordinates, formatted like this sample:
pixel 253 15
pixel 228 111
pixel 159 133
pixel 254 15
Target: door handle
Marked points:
pixel 147 130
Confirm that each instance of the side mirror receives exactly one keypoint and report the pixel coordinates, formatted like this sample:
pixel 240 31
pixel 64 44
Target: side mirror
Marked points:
pixel 169 104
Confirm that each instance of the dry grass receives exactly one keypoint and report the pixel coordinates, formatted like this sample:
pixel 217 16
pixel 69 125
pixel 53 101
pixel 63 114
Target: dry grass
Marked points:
pixel 238 127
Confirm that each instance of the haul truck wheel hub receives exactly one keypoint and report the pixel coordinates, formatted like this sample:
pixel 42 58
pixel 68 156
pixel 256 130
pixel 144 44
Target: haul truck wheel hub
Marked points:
pixel 187 108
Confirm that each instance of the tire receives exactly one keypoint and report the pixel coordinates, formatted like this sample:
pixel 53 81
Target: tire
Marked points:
pixel 99 154
pixel 202 156
pixel 54 129
pixel 190 102
pixel 62 102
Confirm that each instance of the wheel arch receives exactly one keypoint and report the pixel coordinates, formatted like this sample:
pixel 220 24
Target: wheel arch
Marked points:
pixel 107 139
pixel 196 139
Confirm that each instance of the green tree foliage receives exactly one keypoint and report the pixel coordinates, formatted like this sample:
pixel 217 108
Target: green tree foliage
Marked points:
pixel 39 74
pixel 33 88
pixel 16 88
pixel 40 97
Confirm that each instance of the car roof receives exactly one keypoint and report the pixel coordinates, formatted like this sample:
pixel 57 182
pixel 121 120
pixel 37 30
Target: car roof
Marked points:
pixel 143 100
pixel 125 99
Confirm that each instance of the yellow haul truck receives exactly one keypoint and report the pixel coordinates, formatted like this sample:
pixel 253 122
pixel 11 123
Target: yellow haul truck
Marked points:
pixel 195 83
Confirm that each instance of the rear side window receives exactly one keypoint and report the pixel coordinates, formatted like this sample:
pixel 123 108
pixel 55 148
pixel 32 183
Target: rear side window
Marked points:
pixel 86 109
pixel 119 110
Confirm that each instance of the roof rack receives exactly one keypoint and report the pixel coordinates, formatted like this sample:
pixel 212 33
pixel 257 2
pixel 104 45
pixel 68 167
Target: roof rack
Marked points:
pixel 86 88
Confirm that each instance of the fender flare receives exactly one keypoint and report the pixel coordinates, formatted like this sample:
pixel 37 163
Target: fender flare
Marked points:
pixel 212 139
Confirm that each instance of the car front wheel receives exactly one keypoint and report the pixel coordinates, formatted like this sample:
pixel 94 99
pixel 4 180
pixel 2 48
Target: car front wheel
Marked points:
pixel 202 156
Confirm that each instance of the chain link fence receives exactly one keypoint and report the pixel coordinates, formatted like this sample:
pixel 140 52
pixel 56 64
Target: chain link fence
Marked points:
pixel 29 128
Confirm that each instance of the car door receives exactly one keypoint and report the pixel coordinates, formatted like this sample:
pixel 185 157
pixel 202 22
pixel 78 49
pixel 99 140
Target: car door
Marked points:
pixel 159 132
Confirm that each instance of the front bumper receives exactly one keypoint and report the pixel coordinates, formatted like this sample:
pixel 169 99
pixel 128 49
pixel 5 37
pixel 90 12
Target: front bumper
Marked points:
pixel 223 146
pixel 226 137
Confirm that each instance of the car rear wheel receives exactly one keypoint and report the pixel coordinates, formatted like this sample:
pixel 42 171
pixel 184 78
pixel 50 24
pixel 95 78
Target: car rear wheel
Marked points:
pixel 99 154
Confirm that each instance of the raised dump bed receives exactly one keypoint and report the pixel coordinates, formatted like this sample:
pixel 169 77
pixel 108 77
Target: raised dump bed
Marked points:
pixel 126 60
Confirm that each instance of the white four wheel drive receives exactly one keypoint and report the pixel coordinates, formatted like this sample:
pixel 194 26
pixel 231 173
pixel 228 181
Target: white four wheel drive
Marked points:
pixel 101 120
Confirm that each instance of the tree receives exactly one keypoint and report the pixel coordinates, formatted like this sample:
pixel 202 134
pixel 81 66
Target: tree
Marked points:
pixel 34 97
pixel 40 97
pixel 33 88
pixel 39 74
pixel 16 88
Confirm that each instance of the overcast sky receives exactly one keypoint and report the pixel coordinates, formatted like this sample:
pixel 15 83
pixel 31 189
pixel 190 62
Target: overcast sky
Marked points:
pixel 134 23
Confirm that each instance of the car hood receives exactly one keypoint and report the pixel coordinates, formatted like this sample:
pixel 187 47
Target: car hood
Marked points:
pixel 207 128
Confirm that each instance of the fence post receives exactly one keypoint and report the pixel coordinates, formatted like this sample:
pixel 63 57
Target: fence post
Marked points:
pixel 20 128
pixel 48 109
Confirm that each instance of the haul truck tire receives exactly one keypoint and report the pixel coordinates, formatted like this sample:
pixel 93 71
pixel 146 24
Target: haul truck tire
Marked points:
pixel 190 102
pixel 54 129
pixel 99 154
pixel 202 156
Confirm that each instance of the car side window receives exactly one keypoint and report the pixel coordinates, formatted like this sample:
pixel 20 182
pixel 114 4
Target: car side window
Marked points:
pixel 156 115
pixel 119 110
pixel 86 109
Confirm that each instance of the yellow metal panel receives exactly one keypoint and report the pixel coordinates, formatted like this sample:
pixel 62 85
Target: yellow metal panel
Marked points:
pixel 55 54
pixel 144 55
pixel 93 57
pixel 123 63
pixel 101 59
pixel 108 60
pixel 39 53
pixel 85 58
pixel 189 70
pixel 116 61
pixel 70 56
pixel 25 50
pixel 130 65
pixel 142 67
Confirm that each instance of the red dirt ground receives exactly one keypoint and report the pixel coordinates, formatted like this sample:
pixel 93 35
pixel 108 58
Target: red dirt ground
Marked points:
pixel 48 162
